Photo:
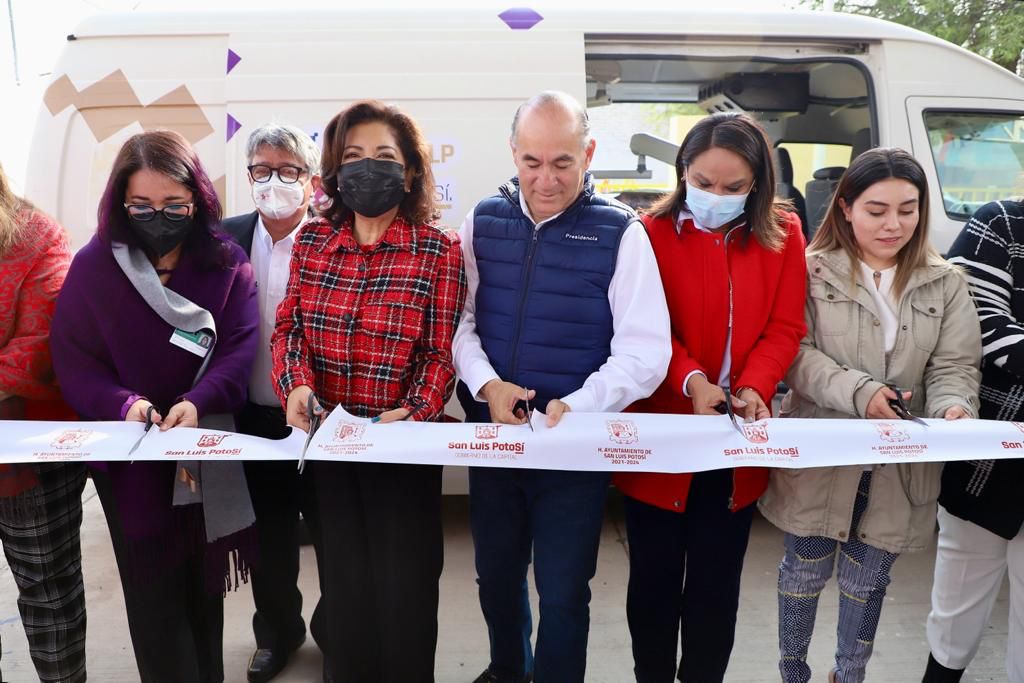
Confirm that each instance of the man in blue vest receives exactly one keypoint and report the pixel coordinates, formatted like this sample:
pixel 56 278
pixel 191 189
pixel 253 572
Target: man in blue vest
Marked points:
pixel 565 311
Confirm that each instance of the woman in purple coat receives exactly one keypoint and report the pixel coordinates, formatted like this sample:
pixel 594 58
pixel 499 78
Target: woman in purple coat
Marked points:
pixel 158 320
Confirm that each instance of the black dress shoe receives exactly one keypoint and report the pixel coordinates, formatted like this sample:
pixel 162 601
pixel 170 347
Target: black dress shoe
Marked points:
pixel 489 676
pixel 936 673
pixel 266 663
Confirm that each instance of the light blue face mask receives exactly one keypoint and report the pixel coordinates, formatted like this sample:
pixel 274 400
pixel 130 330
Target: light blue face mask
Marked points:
pixel 712 210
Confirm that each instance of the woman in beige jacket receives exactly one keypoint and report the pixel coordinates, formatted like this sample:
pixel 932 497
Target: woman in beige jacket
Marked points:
pixel 883 308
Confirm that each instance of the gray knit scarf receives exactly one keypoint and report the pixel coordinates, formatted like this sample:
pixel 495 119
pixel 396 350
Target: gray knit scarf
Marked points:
pixel 221 485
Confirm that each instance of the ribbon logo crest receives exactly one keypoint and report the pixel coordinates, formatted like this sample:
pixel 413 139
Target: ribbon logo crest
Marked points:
pixel 349 431
pixel 211 440
pixel 70 438
pixel 755 432
pixel 891 432
pixel 622 431
pixel 487 431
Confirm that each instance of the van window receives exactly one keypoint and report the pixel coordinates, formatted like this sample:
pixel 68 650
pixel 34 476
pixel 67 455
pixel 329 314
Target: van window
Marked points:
pixel 979 157
pixel 643 98
pixel 615 165
pixel 807 157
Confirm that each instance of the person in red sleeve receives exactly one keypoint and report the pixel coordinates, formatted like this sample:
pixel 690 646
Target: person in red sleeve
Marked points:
pixel 732 263
pixel 374 294
pixel 40 505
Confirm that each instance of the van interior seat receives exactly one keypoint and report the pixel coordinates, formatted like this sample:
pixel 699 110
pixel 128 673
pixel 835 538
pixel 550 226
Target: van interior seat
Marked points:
pixel 819 194
pixel 861 143
pixel 785 188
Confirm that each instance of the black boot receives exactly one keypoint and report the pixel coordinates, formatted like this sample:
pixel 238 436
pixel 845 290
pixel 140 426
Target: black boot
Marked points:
pixel 936 673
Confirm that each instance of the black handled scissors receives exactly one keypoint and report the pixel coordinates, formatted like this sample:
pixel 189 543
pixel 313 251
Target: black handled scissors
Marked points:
pixel 725 408
pixel 145 430
pixel 315 419
pixel 899 406
pixel 524 405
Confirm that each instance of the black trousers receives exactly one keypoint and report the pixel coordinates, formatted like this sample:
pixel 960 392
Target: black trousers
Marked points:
pixel 684 582
pixel 176 625
pixel 279 494
pixel 382 561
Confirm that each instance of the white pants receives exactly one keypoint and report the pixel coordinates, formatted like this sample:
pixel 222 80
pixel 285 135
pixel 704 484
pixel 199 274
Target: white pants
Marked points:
pixel 969 568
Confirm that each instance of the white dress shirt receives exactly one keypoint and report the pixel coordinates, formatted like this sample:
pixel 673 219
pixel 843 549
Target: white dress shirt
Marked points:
pixel 640 346
pixel 270 263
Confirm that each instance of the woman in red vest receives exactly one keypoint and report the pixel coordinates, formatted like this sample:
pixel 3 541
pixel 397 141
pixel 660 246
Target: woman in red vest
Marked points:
pixel 732 263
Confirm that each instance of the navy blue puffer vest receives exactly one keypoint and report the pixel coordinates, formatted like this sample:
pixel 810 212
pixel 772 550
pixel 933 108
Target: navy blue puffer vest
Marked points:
pixel 542 311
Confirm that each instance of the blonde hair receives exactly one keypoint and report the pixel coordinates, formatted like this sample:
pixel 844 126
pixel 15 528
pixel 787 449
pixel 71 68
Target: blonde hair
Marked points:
pixel 873 166
pixel 10 206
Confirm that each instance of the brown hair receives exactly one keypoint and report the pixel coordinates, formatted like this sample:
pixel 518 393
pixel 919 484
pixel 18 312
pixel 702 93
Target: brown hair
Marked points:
pixel 744 136
pixel 10 206
pixel 168 153
pixel 417 206
pixel 873 166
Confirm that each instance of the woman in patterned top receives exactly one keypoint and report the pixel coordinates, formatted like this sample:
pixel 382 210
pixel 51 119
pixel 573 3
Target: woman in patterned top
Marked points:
pixel 980 507
pixel 373 298
pixel 40 505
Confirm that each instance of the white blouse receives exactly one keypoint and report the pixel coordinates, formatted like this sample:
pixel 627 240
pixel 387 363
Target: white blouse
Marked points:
pixel 885 300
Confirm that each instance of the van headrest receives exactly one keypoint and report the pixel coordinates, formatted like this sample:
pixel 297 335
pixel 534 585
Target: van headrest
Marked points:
pixel 829 173
pixel 861 143
pixel 785 165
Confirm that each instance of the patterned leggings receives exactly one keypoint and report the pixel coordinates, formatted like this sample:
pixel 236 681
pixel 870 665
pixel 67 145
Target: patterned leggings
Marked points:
pixel 42 547
pixel 862 576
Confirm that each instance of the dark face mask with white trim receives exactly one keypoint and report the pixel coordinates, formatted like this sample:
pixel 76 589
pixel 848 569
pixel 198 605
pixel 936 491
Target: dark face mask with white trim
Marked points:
pixel 371 187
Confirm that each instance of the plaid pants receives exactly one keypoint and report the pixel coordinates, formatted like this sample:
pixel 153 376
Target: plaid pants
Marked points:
pixel 41 543
pixel 863 576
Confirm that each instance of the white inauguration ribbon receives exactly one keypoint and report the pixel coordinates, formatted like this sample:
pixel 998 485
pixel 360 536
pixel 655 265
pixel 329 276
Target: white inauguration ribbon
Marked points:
pixel 582 441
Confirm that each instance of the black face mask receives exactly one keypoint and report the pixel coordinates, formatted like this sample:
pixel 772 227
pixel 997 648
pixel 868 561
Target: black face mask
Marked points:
pixel 160 235
pixel 371 187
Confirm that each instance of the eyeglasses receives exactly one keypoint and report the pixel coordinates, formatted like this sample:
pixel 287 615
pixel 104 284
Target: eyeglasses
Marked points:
pixel 172 212
pixel 261 173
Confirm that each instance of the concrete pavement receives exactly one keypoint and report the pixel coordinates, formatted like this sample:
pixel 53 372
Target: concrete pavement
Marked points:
pixel 900 650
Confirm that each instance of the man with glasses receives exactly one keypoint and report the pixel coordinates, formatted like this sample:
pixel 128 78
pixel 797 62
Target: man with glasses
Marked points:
pixel 283 172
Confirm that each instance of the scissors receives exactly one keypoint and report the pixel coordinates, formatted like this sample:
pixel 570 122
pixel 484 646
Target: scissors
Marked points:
pixel 900 407
pixel 525 406
pixel 149 423
pixel 725 408
pixel 315 419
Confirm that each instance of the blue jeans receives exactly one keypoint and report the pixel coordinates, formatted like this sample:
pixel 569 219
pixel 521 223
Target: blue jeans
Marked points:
pixel 556 515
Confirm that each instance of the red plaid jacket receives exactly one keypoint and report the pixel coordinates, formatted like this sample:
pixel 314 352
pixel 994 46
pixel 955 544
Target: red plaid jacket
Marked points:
pixel 371 330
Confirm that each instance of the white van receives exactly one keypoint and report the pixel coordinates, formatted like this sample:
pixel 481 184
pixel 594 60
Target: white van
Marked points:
pixel 825 85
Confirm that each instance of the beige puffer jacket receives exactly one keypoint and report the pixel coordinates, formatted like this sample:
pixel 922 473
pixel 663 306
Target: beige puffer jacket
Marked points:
pixel 840 366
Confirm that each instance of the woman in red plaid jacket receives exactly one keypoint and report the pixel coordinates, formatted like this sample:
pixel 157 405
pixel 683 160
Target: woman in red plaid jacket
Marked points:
pixel 373 299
